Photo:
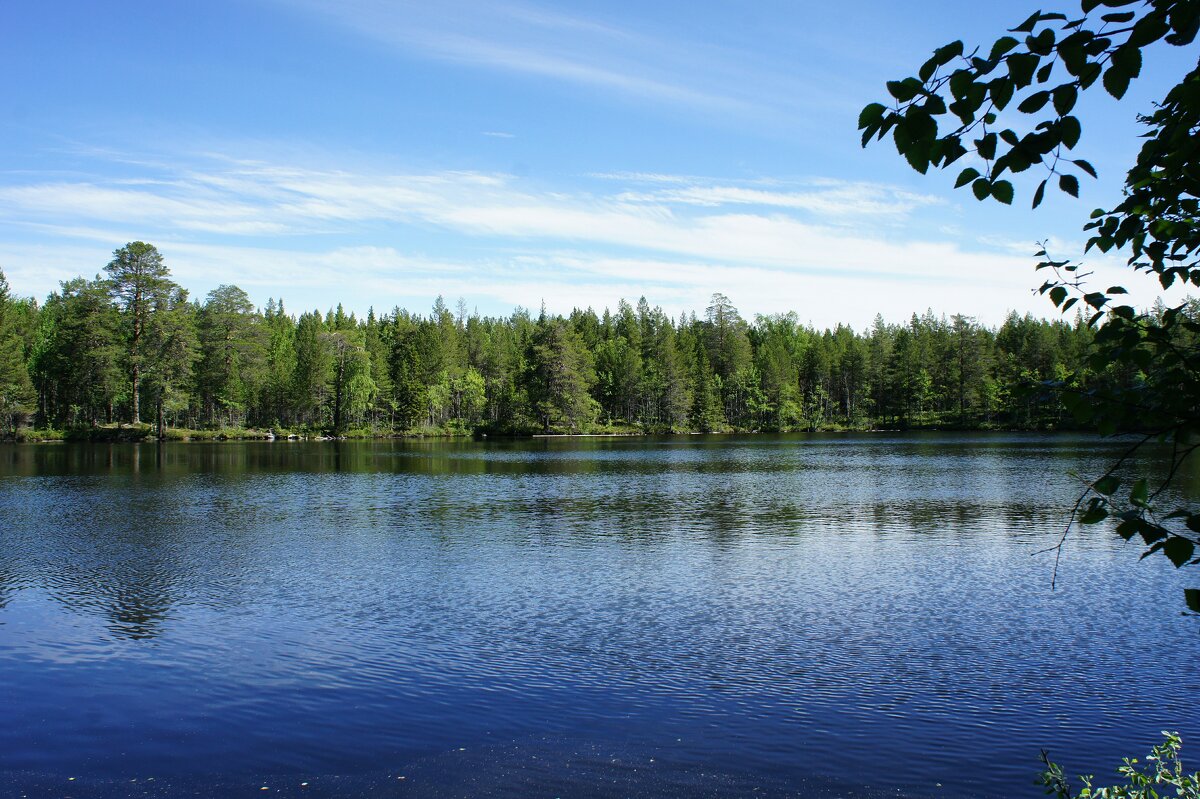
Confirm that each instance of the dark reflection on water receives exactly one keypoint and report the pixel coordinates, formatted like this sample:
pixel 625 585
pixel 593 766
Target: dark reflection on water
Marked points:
pixel 694 616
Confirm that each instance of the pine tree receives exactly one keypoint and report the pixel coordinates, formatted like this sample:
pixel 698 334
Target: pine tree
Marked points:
pixel 139 282
pixel 172 347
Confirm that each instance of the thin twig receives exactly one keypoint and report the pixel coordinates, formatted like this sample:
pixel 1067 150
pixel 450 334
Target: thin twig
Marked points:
pixel 1058 548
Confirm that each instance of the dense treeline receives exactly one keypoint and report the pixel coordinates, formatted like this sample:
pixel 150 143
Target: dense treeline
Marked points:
pixel 132 347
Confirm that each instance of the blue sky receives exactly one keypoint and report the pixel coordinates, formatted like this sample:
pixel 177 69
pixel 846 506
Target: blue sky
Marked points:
pixel 382 153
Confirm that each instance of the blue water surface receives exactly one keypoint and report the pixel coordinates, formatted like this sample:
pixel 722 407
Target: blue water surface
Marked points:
pixel 810 615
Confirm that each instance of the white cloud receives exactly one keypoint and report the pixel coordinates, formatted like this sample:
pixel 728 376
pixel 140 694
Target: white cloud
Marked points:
pixel 830 250
pixel 525 39
pixel 831 200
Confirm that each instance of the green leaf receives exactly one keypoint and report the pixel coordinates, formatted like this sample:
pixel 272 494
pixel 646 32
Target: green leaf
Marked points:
pixel 986 146
pixel 1028 25
pixel 1043 43
pixel 1069 184
pixel 1021 67
pixel 1001 91
pixel 1107 485
pixel 1116 81
pixel 1152 533
pixel 871 115
pixel 1129 59
pixel 1192 597
pixel 1073 57
pixel 1085 166
pixel 947 53
pixel 1149 28
pixel 927 70
pixel 1140 493
pixel 1094 514
pixel 1039 194
pixel 904 90
pixel 1129 528
pixel 1002 46
pixel 1179 550
pixel 1186 25
pixel 1002 190
pixel 960 82
pixel 1070 130
pixel 920 124
pixel 1033 102
pixel 1088 74
pixel 1064 98
pixel 952 150
pixel 1057 295
pixel 918 158
pixel 982 188
pixel 966 176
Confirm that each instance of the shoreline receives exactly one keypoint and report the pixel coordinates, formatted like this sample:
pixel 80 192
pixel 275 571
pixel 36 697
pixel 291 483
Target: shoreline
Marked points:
pixel 128 436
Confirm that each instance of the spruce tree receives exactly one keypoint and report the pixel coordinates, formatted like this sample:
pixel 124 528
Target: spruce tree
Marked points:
pixel 16 389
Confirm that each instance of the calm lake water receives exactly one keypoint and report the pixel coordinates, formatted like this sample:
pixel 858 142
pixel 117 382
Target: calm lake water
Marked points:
pixel 853 615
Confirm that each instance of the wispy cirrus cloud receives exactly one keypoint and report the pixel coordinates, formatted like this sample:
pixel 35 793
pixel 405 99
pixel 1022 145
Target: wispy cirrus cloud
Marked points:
pixel 830 200
pixel 522 38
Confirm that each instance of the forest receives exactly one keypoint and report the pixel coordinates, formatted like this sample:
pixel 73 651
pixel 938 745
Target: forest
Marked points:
pixel 131 350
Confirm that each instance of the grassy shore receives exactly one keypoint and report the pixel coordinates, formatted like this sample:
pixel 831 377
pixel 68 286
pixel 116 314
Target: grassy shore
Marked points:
pixel 133 433
pixel 115 433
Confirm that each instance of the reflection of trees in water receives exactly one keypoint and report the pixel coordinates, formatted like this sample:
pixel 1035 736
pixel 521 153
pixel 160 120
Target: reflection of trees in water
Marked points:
pixel 8 585
pixel 134 595
pixel 139 602
pixel 130 554
pixel 127 532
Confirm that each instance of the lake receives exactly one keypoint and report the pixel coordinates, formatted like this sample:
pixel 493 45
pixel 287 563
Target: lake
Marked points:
pixel 806 615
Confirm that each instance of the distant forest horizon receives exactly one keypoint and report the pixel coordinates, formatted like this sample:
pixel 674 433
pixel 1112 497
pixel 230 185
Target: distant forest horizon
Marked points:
pixel 134 347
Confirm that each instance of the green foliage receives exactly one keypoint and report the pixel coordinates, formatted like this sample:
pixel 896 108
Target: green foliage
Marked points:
pixel 75 355
pixel 351 386
pixel 16 389
pixel 139 283
pixel 560 378
pixel 1161 775
pixel 313 368
pixel 227 366
pixel 234 341
pixel 963 102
